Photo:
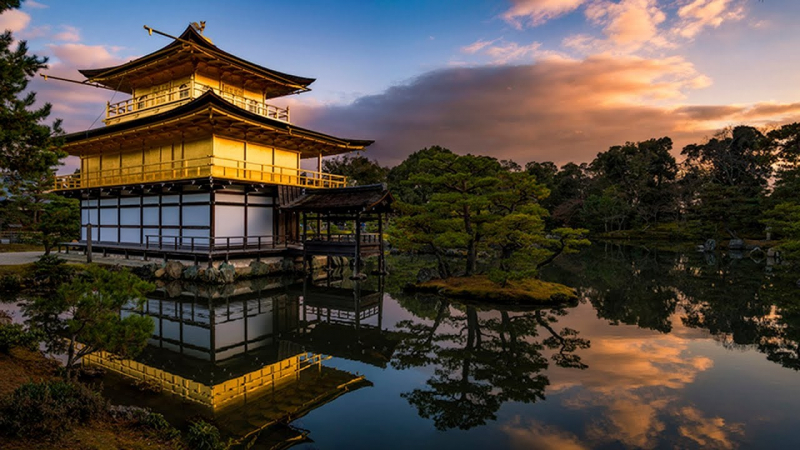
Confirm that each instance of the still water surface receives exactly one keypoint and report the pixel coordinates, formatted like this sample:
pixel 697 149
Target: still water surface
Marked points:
pixel 663 350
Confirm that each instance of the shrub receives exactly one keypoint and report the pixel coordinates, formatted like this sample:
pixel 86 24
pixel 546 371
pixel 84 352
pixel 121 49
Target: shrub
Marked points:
pixel 48 409
pixel 15 335
pixel 159 425
pixel 204 436
pixel 51 270
pixel 10 283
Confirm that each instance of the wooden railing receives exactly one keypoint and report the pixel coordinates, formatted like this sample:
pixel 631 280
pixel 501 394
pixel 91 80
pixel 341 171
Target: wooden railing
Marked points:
pixel 216 244
pixel 189 91
pixel 366 238
pixel 211 166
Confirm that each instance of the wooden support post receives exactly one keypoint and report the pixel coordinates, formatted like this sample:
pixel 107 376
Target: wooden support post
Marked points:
pixel 357 261
pixel 381 256
pixel 357 299
pixel 319 170
pixel 328 224
pixel 89 242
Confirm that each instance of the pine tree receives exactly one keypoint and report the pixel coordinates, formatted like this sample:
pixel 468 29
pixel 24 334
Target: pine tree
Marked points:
pixel 29 147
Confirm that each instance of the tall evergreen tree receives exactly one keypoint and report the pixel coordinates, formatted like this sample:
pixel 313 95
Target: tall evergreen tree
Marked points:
pixel 359 170
pixel 29 147
pixel 735 168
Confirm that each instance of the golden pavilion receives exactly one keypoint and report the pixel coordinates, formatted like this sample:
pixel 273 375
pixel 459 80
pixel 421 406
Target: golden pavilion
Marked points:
pixel 197 162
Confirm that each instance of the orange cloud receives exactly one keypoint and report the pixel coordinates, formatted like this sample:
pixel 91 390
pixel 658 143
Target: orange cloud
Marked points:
pixel 537 12
pixel 635 378
pixel 699 14
pixel 630 23
pixel 477 46
pixel 538 436
pixel 556 109
pixel 711 432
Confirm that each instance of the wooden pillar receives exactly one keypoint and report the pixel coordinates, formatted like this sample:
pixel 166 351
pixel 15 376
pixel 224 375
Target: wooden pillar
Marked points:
pixel 212 316
pixel 319 169
pixel 381 261
pixel 357 260
pixel 357 299
pixel 89 240
pixel 328 259
pixel 305 238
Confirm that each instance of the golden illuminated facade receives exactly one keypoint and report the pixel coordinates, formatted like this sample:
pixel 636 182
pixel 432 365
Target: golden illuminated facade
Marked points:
pixel 197 158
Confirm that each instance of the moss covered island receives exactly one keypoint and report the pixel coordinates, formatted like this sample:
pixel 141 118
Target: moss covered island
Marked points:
pixel 480 287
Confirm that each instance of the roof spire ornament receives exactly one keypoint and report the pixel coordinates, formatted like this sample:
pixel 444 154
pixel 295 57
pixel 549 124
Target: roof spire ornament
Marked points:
pixel 199 28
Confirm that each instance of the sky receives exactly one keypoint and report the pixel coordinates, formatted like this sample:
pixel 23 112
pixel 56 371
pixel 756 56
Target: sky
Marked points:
pixel 527 80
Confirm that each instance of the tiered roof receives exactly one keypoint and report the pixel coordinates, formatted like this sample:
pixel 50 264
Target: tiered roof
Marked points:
pixel 189 53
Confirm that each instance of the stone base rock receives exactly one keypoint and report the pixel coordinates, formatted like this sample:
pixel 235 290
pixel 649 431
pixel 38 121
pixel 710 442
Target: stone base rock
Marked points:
pixel 173 269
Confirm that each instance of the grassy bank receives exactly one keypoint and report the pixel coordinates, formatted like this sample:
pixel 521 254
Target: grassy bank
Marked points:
pixel 530 291
pixel 21 366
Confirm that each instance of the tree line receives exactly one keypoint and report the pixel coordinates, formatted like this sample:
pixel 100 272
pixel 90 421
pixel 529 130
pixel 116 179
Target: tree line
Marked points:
pixel 738 184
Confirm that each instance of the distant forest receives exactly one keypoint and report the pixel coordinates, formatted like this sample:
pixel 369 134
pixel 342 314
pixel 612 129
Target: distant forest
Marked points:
pixel 741 183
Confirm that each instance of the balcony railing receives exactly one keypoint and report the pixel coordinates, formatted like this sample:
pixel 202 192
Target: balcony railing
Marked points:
pixel 211 166
pixel 187 92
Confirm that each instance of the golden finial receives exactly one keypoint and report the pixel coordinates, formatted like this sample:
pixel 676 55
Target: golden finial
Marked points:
pixel 199 28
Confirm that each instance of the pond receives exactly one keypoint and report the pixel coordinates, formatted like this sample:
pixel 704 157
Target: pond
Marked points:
pixel 663 350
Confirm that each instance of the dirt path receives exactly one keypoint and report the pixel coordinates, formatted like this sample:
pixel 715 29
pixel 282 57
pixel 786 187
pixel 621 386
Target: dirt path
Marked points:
pixel 18 258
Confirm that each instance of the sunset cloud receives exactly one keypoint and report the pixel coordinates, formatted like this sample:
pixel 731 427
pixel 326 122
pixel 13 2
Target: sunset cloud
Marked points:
pixel 708 432
pixel 68 33
pixel 699 14
pixel 560 109
pixel 80 107
pixel 14 20
pixel 537 436
pixel 629 24
pixel 34 5
pixel 637 378
pixel 537 12
pixel 477 46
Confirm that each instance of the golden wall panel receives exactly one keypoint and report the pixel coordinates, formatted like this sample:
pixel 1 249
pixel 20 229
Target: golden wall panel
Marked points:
pixel 206 80
pixel 228 149
pixel 202 148
pixel 109 161
pixel 131 162
pixel 284 158
pixel 259 154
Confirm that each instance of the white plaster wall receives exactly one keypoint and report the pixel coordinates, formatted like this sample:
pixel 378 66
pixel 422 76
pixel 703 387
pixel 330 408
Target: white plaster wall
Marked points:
pixel 197 215
pixel 228 221
pixel 259 221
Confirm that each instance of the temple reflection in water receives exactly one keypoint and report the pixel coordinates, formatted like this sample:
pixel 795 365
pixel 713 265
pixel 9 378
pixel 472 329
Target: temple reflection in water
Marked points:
pixel 251 355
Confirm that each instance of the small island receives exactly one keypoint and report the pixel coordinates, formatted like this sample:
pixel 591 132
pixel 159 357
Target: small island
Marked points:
pixel 529 292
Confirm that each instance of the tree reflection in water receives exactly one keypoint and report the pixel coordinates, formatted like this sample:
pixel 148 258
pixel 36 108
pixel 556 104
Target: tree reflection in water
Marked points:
pixel 480 359
pixel 741 302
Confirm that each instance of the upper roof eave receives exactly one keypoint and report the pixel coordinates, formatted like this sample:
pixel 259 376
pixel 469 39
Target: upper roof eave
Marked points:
pixel 210 99
pixel 193 37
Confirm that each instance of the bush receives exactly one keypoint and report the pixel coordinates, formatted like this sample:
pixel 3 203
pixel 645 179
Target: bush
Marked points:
pixel 10 283
pixel 161 428
pixel 48 409
pixel 15 335
pixel 204 436
pixel 51 270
